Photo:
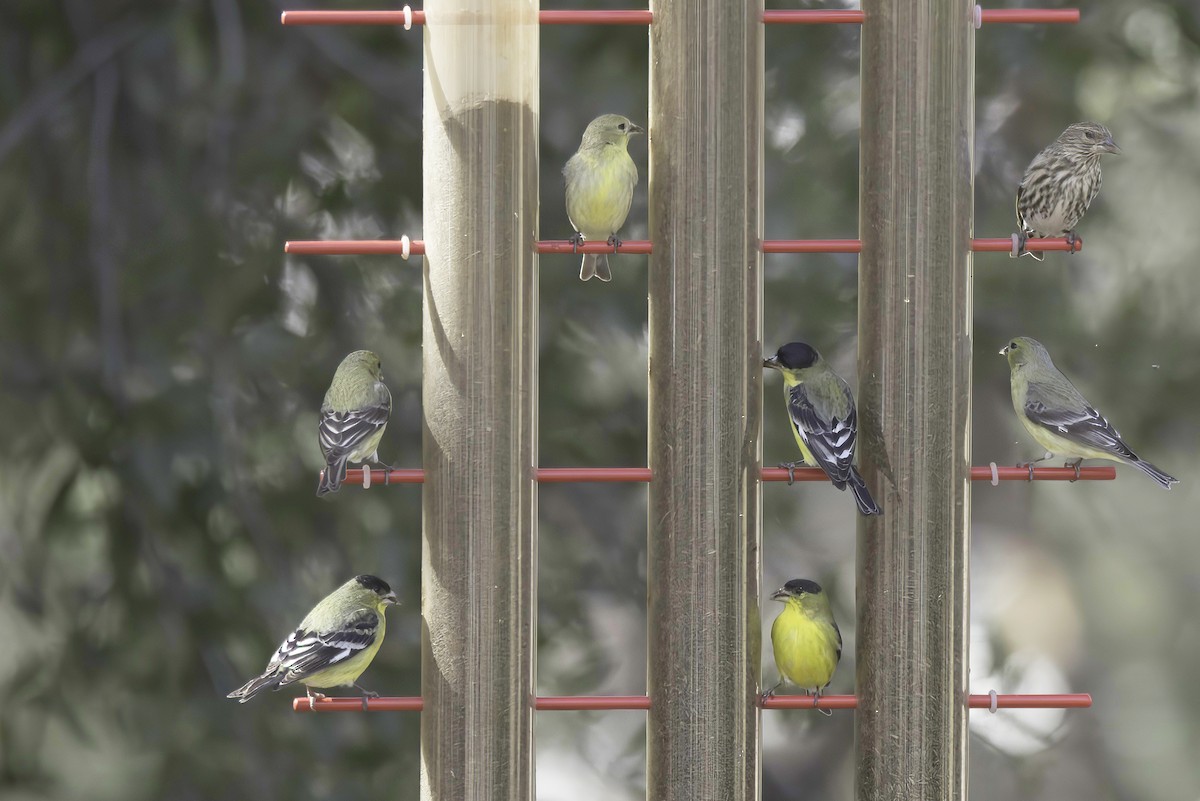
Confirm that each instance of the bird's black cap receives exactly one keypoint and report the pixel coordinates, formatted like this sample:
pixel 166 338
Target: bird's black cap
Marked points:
pixel 797 586
pixel 374 584
pixel 796 356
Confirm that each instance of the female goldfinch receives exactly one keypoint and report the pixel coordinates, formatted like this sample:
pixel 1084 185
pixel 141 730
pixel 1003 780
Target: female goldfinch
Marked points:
pixel 353 418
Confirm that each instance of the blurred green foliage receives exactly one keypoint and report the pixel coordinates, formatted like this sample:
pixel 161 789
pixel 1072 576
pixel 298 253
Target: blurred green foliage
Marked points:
pixel 161 362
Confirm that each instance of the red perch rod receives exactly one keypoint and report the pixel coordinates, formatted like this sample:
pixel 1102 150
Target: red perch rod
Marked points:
pixel 416 247
pixel 562 17
pixel 645 17
pixel 619 702
pixel 610 475
pixel 1067 701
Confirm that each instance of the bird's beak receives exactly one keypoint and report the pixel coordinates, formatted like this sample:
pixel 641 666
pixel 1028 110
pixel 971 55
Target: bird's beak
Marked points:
pixel 772 362
pixel 1109 146
pixel 1004 351
pixel 634 128
pixel 779 594
pixel 390 598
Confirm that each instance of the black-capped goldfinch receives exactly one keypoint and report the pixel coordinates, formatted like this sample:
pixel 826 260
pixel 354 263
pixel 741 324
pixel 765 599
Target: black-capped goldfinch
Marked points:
pixel 805 638
pixel 334 643
pixel 824 420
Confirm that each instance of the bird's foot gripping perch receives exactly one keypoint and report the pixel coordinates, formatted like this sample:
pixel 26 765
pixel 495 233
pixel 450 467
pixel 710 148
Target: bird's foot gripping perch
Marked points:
pixel 385 467
pixel 615 241
pixel 1074 463
pixel 1032 462
pixel 1071 240
pixel 817 697
pixel 1018 247
pixel 1019 240
pixel 313 698
pixel 791 468
pixel 576 240
pixel 366 695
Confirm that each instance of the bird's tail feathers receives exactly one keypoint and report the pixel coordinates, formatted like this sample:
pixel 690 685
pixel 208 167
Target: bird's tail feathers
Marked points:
pixel 1155 473
pixel 254 687
pixel 595 264
pixel 332 477
pixel 862 495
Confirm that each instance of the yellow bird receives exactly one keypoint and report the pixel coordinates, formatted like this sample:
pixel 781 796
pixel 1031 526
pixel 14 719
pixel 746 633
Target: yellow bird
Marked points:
pixel 334 643
pixel 805 638
pixel 1061 420
pixel 824 419
pixel 600 179
pixel 353 417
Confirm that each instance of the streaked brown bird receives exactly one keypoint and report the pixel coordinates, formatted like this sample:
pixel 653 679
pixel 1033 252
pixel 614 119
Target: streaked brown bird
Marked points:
pixel 1061 182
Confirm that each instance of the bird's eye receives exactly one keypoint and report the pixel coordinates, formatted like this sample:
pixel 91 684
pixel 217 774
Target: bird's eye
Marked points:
pixel 1090 134
pixel 621 127
pixel 1012 345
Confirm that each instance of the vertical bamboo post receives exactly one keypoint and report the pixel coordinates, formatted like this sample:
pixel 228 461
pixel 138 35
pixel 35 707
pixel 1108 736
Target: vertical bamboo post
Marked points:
pixel 914 323
pixel 480 392
pixel 706 98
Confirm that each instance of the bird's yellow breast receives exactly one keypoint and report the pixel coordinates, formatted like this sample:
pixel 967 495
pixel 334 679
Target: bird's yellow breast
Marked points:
pixel 600 192
pixel 1049 439
pixel 348 670
pixel 806 651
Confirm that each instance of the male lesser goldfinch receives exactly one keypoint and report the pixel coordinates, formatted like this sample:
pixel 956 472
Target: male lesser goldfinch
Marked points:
pixel 805 638
pixel 600 180
pixel 824 419
pixel 1061 182
pixel 1060 418
pixel 353 417
pixel 334 643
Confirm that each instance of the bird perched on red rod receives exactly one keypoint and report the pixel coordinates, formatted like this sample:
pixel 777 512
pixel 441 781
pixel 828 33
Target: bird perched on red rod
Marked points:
pixel 804 638
pixel 1060 418
pixel 1061 182
pixel 353 418
pixel 600 180
pixel 824 419
pixel 334 643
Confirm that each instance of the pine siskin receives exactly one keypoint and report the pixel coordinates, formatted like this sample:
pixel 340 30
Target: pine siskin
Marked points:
pixel 1061 182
